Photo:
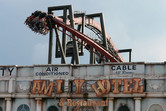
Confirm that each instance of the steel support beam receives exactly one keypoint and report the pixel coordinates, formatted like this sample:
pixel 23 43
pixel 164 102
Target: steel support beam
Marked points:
pixel 92 56
pixel 103 31
pixel 126 50
pixel 58 7
pixel 50 43
pixel 50 47
pixel 75 48
pixel 81 28
pixel 105 44
pixel 63 61
pixel 83 31
pixel 64 35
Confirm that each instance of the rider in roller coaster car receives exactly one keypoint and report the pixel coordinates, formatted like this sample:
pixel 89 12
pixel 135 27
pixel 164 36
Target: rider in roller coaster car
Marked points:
pixel 40 22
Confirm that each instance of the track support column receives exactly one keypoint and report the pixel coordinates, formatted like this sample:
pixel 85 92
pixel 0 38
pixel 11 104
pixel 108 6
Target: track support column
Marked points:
pixel 83 31
pixel 64 34
pixel 92 56
pixel 75 48
pixel 103 31
pixel 50 44
pixel 63 61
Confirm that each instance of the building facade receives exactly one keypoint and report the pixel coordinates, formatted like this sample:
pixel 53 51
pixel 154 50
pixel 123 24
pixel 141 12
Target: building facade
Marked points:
pixel 133 86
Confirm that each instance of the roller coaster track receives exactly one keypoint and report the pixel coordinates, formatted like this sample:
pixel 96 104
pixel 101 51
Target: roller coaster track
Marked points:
pixel 96 28
pixel 87 40
pixel 41 22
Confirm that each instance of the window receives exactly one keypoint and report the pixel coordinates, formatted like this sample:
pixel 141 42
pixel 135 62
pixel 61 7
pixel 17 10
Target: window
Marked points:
pixel 155 107
pixel 23 107
pixel 52 108
pixel 123 108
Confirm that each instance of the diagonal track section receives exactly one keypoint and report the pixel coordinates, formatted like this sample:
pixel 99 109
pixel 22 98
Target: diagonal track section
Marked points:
pixel 87 40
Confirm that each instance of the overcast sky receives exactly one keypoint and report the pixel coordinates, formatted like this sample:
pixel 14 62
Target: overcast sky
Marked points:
pixel 136 24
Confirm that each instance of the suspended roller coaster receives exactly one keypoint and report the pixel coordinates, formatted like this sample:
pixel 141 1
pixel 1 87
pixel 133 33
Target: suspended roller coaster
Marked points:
pixel 103 47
